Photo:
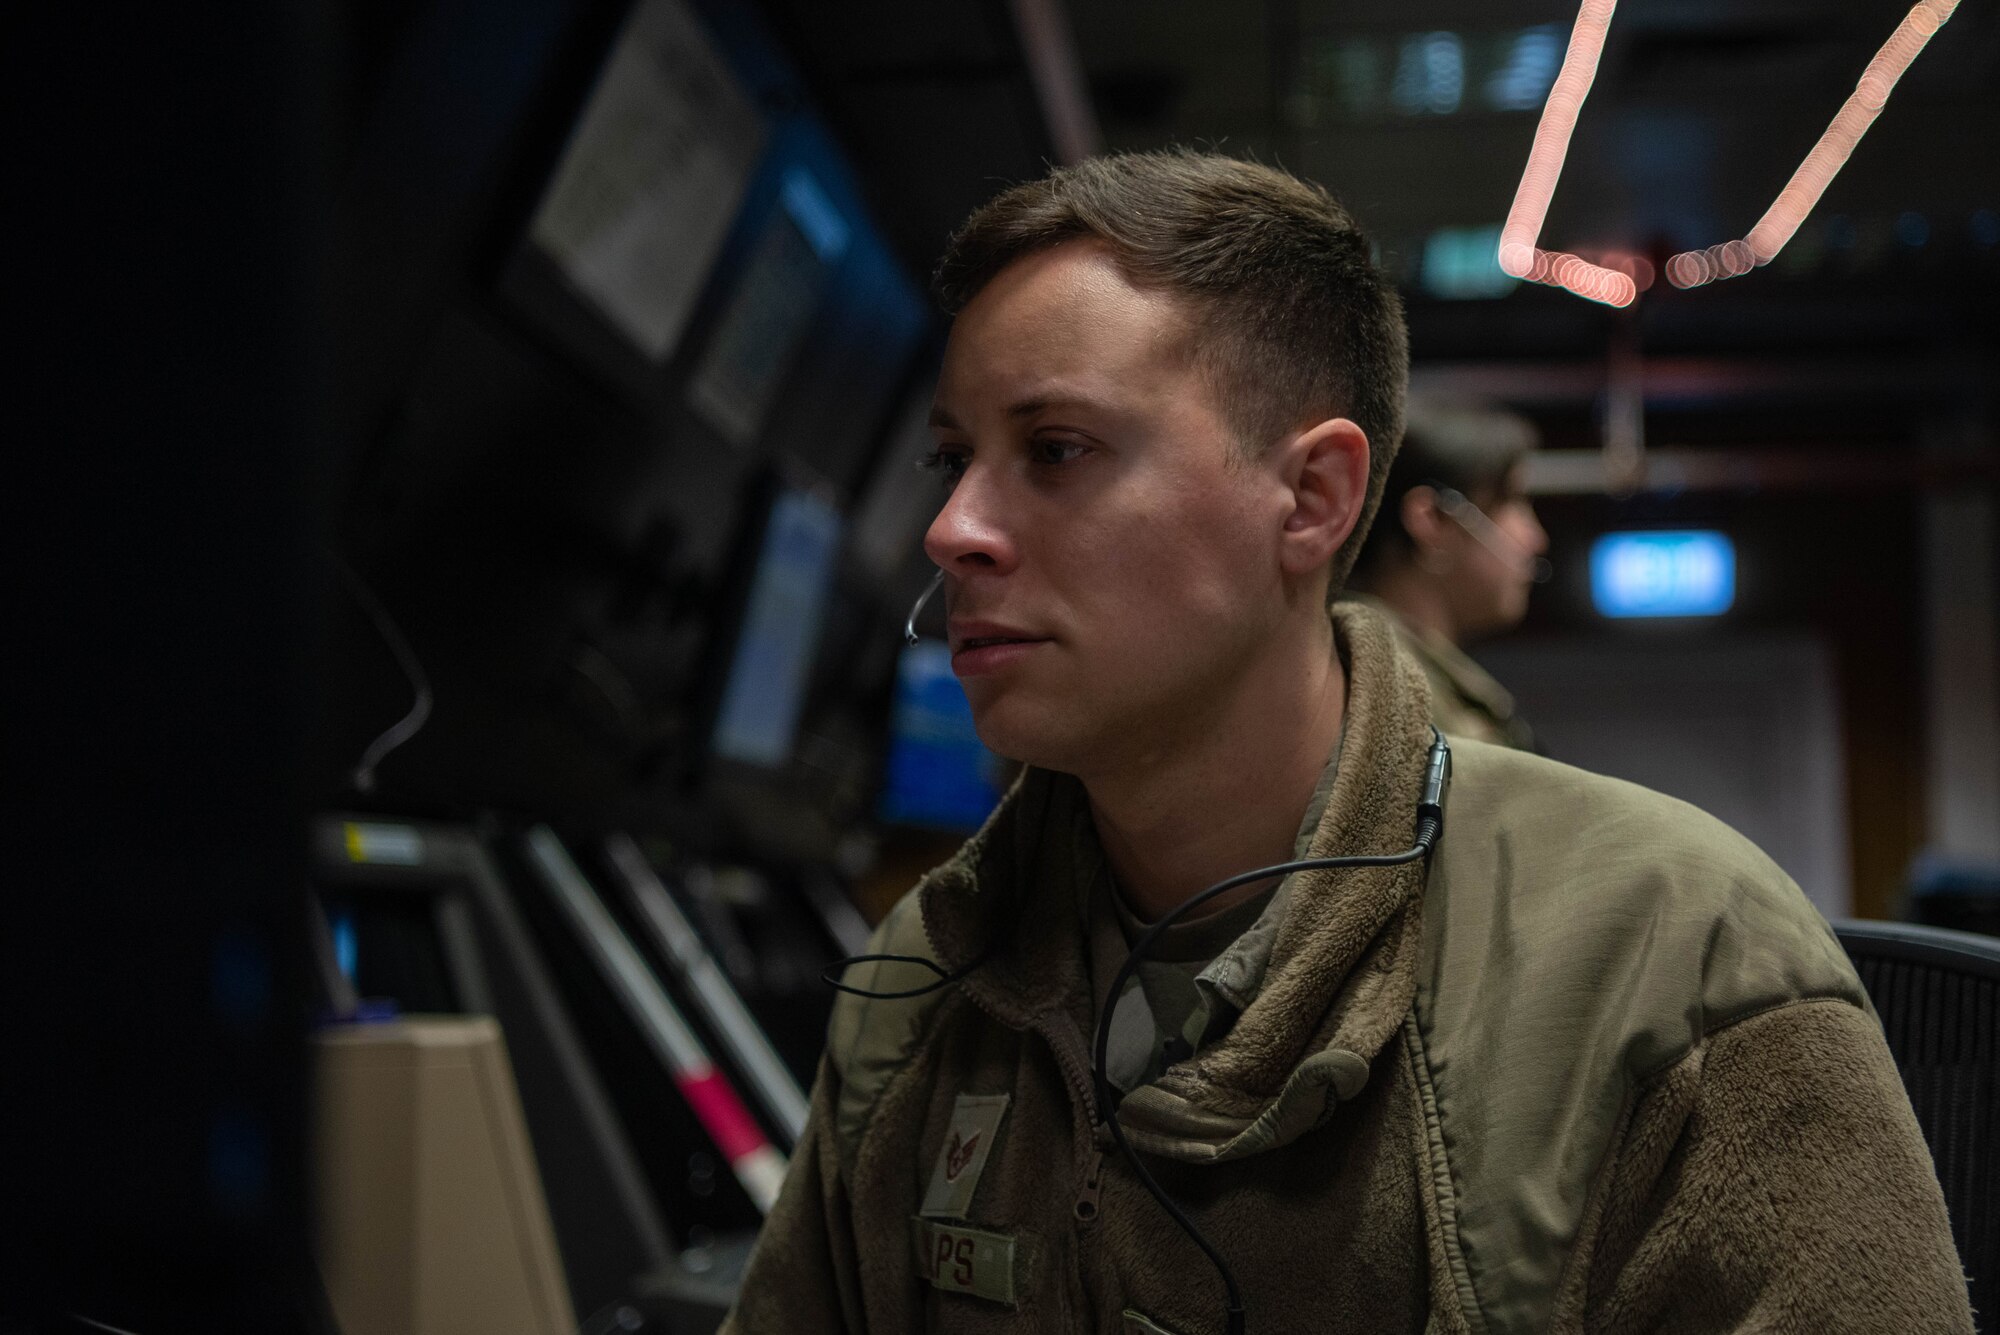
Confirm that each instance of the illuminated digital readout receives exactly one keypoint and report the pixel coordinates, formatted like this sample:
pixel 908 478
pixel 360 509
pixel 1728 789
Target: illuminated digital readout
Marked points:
pixel 1676 574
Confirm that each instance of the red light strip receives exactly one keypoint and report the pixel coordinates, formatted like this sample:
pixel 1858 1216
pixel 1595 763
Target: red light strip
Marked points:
pixel 1523 259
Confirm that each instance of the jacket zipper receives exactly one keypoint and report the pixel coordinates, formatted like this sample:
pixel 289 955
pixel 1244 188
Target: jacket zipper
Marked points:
pixel 1089 1157
pixel 1074 1074
pixel 1093 1183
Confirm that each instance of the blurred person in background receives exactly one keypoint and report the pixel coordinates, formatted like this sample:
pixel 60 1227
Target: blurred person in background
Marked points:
pixel 1453 555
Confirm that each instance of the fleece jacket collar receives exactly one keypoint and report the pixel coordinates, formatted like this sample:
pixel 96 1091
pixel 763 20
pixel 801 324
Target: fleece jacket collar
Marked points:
pixel 1341 969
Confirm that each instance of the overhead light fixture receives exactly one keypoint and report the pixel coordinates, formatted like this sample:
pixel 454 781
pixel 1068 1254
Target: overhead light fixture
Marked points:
pixel 1430 74
pixel 1532 60
pixel 1425 74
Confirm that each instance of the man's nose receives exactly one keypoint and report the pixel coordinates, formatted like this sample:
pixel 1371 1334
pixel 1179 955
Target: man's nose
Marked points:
pixel 971 533
pixel 1525 527
pixel 1538 537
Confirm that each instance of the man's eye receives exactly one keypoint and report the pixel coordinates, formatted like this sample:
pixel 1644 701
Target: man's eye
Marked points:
pixel 1055 450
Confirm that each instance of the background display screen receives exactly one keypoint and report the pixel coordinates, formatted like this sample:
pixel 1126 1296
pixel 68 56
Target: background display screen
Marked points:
pixel 1679 574
pixel 940 775
pixel 774 653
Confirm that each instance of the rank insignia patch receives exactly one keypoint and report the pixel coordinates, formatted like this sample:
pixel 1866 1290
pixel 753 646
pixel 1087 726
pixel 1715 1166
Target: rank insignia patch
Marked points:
pixel 975 1123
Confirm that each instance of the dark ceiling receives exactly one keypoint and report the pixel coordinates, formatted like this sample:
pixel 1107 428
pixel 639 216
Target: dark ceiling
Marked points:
pixel 1420 117
pixel 1700 109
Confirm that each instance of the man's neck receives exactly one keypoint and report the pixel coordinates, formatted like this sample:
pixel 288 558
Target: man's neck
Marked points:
pixel 1230 794
pixel 1420 601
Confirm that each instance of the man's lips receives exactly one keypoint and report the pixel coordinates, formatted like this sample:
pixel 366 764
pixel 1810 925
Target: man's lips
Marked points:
pixel 986 634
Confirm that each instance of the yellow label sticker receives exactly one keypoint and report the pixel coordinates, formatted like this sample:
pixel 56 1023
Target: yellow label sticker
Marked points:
pixel 383 845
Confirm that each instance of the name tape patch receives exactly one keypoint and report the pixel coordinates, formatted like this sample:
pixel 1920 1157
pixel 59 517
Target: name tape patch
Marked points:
pixel 966 1260
pixel 975 1125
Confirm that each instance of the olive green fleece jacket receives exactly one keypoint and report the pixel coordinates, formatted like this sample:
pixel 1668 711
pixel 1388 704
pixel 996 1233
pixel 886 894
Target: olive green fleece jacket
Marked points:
pixel 1601 1069
pixel 1466 701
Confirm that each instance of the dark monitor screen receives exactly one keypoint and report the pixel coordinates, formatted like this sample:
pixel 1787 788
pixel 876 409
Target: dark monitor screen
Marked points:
pixel 939 776
pixel 765 690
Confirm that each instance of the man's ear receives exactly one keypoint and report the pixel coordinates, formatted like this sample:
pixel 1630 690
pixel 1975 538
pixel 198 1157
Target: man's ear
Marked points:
pixel 1326 467
pixel 1422 519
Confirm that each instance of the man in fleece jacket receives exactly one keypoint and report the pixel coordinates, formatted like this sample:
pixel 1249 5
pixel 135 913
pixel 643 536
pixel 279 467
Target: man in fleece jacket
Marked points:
pixel 1594 1065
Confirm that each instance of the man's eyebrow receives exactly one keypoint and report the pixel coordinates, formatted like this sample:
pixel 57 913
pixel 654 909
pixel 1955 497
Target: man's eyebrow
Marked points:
pixel 1089 398
pixel 941 417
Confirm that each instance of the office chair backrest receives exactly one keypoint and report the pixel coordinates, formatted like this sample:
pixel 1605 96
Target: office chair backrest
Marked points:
pixel 1938 993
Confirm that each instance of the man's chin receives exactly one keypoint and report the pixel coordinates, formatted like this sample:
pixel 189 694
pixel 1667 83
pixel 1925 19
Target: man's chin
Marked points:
pixel 1015 730
pixel 1502 620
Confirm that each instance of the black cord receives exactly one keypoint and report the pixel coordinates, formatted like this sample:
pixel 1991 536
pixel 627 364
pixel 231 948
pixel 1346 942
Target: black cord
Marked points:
pixel 945 979
pixel 406 727
pixel 1152 933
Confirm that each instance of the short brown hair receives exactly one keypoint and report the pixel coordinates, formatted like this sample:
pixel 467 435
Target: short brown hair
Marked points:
pixel 1295 321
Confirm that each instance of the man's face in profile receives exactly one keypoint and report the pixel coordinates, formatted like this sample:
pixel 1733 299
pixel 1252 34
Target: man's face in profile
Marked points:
pixel 1501 580
pixel 1110 547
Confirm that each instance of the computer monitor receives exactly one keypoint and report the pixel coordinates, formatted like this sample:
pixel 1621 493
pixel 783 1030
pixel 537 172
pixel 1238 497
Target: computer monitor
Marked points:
pixel 939 775
pixel 771 663
pixel 640 203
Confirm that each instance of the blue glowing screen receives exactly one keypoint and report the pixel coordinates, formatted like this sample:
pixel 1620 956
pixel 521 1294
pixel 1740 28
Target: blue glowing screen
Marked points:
pixel 1689 573
pixel 766 688
pixel 939 774
pixel 346 945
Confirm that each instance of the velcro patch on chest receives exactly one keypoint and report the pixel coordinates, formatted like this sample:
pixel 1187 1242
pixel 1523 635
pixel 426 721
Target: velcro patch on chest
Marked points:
pixel 967 1260
pixel 975 1125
